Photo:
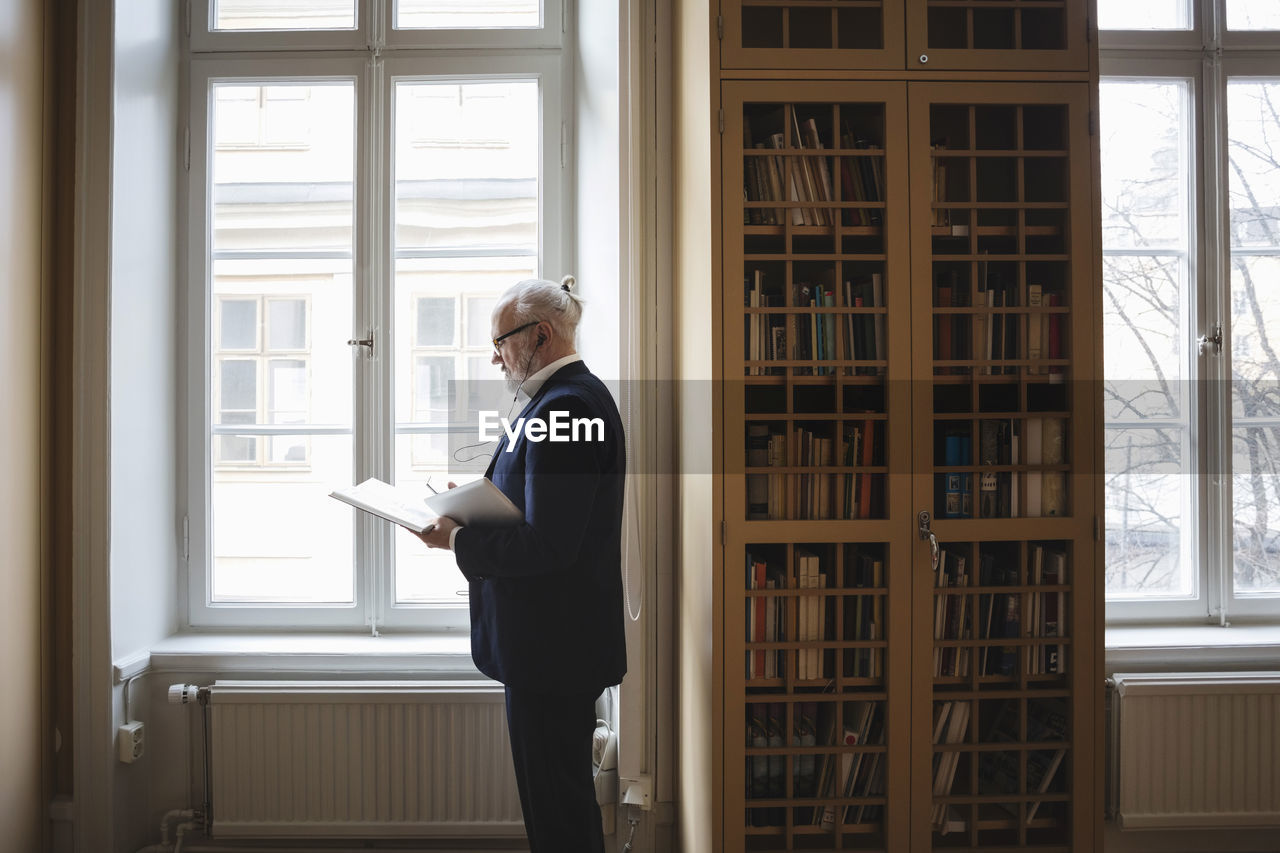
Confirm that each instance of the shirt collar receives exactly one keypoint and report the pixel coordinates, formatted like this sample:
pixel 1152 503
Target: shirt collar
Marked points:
pixel 533 384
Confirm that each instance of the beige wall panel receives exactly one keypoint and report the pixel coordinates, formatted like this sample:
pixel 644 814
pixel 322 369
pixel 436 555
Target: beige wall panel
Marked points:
pixel 21 135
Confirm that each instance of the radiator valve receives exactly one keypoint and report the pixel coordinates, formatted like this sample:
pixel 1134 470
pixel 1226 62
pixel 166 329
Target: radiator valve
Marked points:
pixel 183 694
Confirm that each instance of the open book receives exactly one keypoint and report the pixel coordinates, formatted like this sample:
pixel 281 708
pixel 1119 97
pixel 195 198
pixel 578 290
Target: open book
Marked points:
pixel 478 502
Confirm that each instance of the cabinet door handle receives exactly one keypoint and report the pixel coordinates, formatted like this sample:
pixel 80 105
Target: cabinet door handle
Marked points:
pixel 926 533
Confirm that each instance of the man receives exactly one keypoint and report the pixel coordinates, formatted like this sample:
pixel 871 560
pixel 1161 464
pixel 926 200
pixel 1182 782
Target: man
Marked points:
pixel 546 595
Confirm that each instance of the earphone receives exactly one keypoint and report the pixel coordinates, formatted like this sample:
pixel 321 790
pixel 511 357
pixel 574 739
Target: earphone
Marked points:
pixel 542 339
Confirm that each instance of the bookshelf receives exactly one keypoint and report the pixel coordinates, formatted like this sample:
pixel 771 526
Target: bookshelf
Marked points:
pixel 1048 35
pixel 908 268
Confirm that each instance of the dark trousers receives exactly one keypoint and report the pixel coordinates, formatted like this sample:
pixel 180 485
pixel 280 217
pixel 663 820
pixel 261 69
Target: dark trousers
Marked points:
pixel 551 746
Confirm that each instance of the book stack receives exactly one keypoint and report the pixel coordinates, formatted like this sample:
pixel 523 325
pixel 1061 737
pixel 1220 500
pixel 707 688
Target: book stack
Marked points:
pixel 1000 770
pixel 957 485
pixel 1046 491
pixel 806 179
pixel 1044 332
pixel 1047 610
pixel 951 616
pixel 864 333
pixel 812 617
pixel 950 726
pixel 999 617
pixel 864 616
pixel 998 444
pixel 766 620
pixel 766 334
pixel 996 332
pixel 861 179
pixel 815 332
pixel 767 764
pixel 862 495
pixel 766 493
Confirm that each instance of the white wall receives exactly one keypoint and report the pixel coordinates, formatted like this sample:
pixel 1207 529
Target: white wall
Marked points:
pixel 21 168
pixel 145 529
pixel 598 183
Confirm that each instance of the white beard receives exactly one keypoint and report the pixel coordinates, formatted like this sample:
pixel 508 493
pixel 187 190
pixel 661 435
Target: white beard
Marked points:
pixel 524 360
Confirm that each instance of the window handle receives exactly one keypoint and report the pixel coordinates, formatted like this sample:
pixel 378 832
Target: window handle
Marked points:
pixel 363 342
pixel 1215 341
pixel 927 534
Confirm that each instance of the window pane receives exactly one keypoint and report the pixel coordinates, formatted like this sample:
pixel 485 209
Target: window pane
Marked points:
pixel 305 553
pixel 288 324
pixel 308 304
pixel 1146 190
pixel 467 169
pixel 284 14
pixel 467 166
pixel 1145 184
pixel 1143 327
pixel 239 327
pixel 277 185
pixel 237 449
pixel 1253 15
pixel 1255 466
pixel 435 321
pixel 238 385
pixel 289 395
pixel 479 320
pixel 467 14
pixel 1145 14
pixel 425 576
pixel 1255 336
pixel 1148 545
pixel 432 375
pixel 1254 152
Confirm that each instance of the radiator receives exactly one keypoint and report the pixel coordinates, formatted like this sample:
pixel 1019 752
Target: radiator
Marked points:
pixel 1198 749
pixel 312 759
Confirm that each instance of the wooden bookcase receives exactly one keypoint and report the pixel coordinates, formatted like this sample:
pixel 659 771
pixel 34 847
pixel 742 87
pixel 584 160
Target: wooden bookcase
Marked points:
pixel 908 284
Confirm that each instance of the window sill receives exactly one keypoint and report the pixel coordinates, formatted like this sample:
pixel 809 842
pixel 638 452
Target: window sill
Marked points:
pixel 1192 647
pixel 426 656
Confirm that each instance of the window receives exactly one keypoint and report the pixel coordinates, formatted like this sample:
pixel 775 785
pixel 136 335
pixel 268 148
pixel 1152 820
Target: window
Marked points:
pixel 1190 140
pixel 261 376
pixel 356 209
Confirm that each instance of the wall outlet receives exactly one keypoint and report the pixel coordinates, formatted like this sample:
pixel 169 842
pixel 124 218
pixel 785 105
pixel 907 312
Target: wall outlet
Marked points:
pixel 129 741
pixel 637 791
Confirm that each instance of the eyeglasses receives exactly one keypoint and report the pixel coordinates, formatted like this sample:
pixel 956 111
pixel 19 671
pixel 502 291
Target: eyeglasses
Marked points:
pixel 497 342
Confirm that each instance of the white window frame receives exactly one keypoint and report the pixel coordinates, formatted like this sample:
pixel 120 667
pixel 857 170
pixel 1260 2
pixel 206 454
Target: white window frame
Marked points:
pixel 1208 56
pixel 338 55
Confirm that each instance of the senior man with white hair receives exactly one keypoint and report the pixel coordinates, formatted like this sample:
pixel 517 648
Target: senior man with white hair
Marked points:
pixel 546 595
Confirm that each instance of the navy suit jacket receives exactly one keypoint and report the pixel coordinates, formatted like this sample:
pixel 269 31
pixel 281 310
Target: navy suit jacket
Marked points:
pixel 546 595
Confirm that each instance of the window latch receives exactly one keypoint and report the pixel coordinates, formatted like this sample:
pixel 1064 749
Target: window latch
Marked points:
pixel 1214 340
pixel 363 342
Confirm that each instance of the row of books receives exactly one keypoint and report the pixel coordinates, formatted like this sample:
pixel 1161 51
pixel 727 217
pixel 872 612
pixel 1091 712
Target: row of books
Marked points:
pixel 864 617
pixel 999 771
pixel 845 774
pixel 817 336
pixel 809 178
pixel 1008 494
pixel 950 726
pixel 766 618
pixel 993 337
pixel 817 495
pixel 1000 615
